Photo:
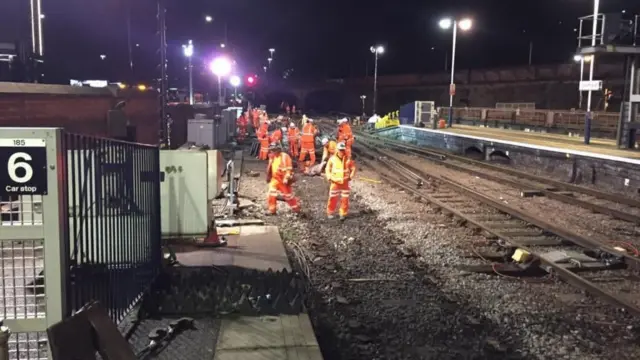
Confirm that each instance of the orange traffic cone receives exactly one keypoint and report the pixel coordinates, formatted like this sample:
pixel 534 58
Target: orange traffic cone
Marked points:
pixel 212 239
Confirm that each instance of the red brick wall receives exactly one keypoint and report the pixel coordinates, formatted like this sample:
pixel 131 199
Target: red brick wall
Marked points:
pixel 83 114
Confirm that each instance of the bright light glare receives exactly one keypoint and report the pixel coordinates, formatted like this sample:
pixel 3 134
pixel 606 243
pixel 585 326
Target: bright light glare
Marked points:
pixel 377 49
pixel 272 50
pixel 221 66
pixel 269 59
pixel 234 81
pixel 208 18
pixel 142 87
pixel 223 46
pixel 188 49
pixel 465 24
pixel 577 58
pixel 251 80
pixel 445 23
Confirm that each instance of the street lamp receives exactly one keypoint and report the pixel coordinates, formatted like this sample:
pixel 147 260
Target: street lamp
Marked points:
pixel 187 50
pixel 264 68
pixel 208 18
pixel 581 59
pixel 223 45
pixel 376 50
pixel 271 51
pixel 235 82
pixel 363 97
pixel 270 60
pixel 464 25
pixel 102 57
pixel 589 116
pixel 220 67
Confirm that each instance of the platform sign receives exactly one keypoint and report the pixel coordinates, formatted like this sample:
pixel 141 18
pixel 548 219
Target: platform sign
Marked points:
pixel 23 167
pixel 593 85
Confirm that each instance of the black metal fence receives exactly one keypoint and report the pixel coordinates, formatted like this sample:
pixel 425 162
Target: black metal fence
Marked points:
pixel 113 226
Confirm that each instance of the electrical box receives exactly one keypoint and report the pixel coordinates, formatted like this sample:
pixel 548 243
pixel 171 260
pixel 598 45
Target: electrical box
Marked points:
pixel 192 179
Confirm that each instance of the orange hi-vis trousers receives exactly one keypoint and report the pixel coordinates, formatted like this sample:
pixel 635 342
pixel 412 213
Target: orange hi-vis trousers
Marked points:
pixel 264 149
pixel 293 147
pixel 342 192
pixel 306 149
pixel 276 188
pixel 348 144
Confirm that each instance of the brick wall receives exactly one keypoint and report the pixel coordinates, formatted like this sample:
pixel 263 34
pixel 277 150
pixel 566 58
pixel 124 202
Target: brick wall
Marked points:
pixel 78 110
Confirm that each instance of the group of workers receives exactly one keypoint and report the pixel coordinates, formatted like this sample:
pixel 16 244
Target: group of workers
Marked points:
pixel 339 168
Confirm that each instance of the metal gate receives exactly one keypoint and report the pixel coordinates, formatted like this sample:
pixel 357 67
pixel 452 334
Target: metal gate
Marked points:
pixel 80 222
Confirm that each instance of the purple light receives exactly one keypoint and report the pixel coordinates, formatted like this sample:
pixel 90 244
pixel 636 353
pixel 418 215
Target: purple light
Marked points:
pixel 221 66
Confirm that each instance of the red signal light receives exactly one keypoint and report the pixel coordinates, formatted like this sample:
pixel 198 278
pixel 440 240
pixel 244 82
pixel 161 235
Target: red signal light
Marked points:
pixel 251 80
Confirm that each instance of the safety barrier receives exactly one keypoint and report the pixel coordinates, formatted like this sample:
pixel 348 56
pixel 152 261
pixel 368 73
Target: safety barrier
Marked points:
pixel 604 124
pixel 80 222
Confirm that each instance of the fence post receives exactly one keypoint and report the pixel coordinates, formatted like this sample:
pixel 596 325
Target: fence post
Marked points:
pixel 4 341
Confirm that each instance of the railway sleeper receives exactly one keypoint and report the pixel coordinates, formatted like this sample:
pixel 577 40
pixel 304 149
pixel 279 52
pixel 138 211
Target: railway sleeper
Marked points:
pixel 579 261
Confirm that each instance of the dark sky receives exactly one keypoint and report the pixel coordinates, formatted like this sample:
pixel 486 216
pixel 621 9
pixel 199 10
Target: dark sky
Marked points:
pixel 329 38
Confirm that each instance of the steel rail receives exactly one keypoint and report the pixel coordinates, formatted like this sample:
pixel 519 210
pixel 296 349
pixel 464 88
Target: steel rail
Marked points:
pixel 563 273
pixel 543 180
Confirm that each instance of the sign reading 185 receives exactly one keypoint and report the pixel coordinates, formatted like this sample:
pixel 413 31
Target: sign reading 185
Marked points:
pixel 23 167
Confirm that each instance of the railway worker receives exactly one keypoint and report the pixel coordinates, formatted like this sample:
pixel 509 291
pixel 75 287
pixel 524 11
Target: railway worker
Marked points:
pixel 328 149
pixel 263 138
pixel 308 143
pixel 241 123
pixel 277 135
pixel 255 120
pixel 371 123
pixel 280 180
pixel 340 171
pixel 293 135
pixel 345 135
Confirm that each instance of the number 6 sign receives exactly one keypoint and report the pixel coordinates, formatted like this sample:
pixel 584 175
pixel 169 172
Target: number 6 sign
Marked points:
pixel 23 167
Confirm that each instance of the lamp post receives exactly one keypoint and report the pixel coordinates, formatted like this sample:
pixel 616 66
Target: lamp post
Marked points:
pixel 363 97
pixel 271 51
pixel 270 60
pixel 589 116
pixel 581 59
pixel 376 51
pixel 220 67
pixel 464 25
pixel 235 82
pixel 188 52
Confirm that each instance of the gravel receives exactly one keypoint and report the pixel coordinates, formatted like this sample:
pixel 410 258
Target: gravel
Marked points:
pixel 387 285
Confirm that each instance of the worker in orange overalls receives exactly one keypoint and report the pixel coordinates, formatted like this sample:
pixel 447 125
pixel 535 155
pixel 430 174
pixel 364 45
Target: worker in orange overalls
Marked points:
pixel 345 135
pixel 328 149
pixel 277 136
pixel 255 118
pixel 340 171
pixel 293 135
pixel 308 142
pixel 280 180
pixel 263 137
pixel 241 127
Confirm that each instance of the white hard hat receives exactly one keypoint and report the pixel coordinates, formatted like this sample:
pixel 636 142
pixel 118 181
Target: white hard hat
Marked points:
pixel 310 119
pixel 341 146
pixel 283 128
pixel 280 117
pixel 292 125
pixel 324 141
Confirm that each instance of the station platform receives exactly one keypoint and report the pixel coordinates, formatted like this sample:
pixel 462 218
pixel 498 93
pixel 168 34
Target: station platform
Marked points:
pixel 289 337
pixel 548 140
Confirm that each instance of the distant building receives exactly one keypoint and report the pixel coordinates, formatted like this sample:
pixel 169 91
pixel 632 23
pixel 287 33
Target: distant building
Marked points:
pixel 21 41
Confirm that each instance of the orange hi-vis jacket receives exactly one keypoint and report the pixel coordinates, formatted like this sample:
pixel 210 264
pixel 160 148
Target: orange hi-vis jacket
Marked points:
pixel 263 131
pixel 293 134
pixel 340 170
pixel 329 150
pixel 280 168
pixel 344 133
pixel 308 135
pixel 276 136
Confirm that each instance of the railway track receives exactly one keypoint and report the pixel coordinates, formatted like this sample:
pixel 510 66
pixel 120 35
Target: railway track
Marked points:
pixel 527 245
pixel 613 205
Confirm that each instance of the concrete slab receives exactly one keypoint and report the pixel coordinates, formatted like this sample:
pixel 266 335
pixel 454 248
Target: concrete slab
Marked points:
pixel 284 337
pixel 256 247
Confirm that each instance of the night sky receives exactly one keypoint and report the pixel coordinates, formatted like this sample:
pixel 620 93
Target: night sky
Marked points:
pixel 316 38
